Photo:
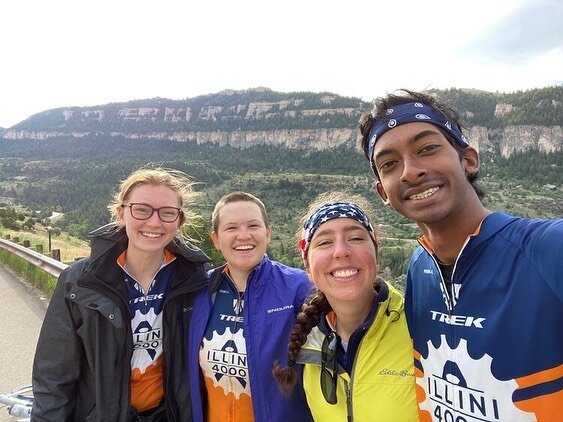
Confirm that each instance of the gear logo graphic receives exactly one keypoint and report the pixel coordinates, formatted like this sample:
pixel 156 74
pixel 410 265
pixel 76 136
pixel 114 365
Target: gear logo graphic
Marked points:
pixel 226 362
pixel 465 391
pixel 147 339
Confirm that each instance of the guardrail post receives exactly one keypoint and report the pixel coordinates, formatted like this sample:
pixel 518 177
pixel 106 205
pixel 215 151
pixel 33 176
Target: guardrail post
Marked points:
pixel 26 243
pixel 45 263
pixel 16 239
pixel 39 248
pixel 7 237
pixel 56 254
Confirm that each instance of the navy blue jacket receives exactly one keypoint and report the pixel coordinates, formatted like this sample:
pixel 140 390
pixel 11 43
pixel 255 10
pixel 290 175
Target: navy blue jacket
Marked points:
pixel 494 351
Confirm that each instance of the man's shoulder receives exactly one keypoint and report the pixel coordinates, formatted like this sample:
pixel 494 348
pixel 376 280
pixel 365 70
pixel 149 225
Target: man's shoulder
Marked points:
pixel 539 243
pixel 534 232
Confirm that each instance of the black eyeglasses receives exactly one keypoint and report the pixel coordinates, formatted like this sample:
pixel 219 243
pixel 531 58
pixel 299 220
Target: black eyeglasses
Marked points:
pixel 329 367
pixel 141 211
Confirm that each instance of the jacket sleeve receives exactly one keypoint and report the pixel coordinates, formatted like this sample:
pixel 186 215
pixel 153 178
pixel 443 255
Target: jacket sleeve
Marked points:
pixel 545 249
pixel 58 359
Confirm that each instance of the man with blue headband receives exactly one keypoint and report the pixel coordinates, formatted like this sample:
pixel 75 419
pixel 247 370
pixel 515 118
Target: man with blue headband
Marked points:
pixel 484 295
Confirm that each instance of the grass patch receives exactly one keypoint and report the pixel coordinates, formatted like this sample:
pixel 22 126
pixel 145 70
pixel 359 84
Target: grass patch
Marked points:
pixel 71 248
pixel 39 278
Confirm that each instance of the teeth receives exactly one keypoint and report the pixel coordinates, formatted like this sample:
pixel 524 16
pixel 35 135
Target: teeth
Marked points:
pixel 244 248
pixel 153 235
pixel 344 273
pixel 425 194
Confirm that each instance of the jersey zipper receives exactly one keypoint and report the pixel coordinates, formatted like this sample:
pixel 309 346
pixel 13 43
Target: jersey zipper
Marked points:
pixel 348 386
pixel 450 302
pixel 349 409
pixel 449 298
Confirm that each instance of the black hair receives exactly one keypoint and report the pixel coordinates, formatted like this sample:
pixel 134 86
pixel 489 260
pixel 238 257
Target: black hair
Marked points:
pixel 378 112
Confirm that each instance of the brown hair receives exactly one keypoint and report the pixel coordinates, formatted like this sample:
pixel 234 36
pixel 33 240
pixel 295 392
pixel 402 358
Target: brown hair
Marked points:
pixel 236 197
pixel 403 96
pixel 312 310
pixel 306 320
pixel 176 180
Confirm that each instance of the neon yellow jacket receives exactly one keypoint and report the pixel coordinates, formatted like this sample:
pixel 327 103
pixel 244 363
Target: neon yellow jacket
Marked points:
pixel 382 384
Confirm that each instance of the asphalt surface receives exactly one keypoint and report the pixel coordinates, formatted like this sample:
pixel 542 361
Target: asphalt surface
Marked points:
pixel 21 315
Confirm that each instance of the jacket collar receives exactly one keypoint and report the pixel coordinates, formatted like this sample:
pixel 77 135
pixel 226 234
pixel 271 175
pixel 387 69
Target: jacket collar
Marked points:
pixel 491 225
pixel 382 296
pixel 389 307
pixel 256 276
pixel 488 228
pixel 109 241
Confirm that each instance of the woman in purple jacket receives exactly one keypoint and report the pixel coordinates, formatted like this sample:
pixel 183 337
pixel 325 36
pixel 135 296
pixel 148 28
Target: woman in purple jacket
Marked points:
pixel 241 324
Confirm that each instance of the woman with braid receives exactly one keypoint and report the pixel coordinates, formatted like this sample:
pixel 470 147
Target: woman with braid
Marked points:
pixel 351 338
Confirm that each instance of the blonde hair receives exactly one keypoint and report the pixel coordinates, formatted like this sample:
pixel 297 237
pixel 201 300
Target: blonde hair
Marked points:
pixel 176 180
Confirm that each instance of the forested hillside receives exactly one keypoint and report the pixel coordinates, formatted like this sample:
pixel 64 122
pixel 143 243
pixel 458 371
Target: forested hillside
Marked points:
pixel 494 110
pixel 76 156
pixel 77 178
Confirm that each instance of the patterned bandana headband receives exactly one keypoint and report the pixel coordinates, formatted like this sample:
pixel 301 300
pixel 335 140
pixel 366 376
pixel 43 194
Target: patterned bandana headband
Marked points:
pixel 408 113
pixel 328 211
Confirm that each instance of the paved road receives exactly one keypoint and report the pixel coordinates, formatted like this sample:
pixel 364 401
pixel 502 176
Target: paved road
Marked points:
pixel 21 314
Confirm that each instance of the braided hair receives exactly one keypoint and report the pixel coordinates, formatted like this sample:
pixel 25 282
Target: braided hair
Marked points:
pixel 314 306
pixel 316 303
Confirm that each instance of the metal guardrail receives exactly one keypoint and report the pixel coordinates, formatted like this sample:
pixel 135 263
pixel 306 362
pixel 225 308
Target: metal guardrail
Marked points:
pixel 46 263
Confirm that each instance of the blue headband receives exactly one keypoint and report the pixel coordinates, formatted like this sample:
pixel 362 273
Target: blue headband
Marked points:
pixel 328 211
pixel 412 112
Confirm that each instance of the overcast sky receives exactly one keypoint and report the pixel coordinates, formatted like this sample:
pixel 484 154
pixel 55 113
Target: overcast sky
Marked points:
pixel 58 53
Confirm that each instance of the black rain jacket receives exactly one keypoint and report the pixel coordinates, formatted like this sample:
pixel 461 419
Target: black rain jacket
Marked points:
pixel 81 370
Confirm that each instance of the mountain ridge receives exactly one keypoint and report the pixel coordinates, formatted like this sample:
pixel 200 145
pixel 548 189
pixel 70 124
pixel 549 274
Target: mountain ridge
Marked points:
pixel 500 123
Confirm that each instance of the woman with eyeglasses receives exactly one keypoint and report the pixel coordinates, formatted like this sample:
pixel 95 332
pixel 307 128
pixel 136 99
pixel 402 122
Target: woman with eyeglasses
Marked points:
pixel 351 337
pixel 113 343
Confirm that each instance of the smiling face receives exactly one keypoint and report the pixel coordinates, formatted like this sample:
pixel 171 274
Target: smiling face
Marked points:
pixel 242 235
pixel 342 262
pixel 422 176
pixel 151 235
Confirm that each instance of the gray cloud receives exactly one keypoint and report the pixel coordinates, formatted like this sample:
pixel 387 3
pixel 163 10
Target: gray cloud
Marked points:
pixel 534 28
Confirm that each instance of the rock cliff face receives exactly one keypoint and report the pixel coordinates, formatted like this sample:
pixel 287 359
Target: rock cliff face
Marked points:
pixel 516 139
pixel 317 139
pixel 524 138
pixel 511 140
pixel 243 119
